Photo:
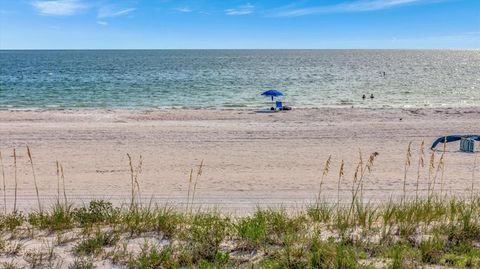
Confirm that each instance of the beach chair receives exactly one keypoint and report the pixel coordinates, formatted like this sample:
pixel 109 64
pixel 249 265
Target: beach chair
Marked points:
pixel 467 144
pixel 279 105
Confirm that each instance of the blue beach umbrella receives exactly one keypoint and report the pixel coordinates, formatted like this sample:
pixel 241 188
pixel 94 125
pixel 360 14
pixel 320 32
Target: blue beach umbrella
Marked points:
pixel 272 93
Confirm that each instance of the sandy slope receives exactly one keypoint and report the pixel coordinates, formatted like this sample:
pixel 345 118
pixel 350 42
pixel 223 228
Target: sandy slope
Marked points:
pixel 250 158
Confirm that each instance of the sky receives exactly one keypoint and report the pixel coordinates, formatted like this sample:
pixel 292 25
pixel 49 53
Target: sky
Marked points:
pixel 239 24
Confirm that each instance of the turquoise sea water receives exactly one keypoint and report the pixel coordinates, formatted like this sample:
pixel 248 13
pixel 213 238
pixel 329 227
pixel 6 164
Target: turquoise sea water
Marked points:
pixel 235 78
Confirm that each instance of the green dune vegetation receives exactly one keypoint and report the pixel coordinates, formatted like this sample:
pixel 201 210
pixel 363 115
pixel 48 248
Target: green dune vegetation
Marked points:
pixel 429 231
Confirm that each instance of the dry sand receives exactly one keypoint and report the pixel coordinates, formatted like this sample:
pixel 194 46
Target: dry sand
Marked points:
pixel 250 158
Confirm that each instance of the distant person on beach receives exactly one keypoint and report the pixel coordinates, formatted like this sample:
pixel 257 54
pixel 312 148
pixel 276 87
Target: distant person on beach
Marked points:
pixel 371 96
pixel 363 97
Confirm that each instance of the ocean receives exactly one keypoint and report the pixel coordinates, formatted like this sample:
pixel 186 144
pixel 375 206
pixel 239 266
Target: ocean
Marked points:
pixel 138 79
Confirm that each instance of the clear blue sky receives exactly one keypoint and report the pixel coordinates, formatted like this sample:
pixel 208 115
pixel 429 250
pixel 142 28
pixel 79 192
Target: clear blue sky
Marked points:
pixel 179 24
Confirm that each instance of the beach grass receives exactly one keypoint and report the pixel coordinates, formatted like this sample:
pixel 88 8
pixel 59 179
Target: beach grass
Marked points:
pixel 434 231
pixel 408 234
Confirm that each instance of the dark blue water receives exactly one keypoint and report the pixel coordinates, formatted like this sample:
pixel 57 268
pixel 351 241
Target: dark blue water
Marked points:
pixel 235 78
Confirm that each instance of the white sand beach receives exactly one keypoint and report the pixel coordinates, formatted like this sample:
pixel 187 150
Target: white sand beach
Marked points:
pixel 250 158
